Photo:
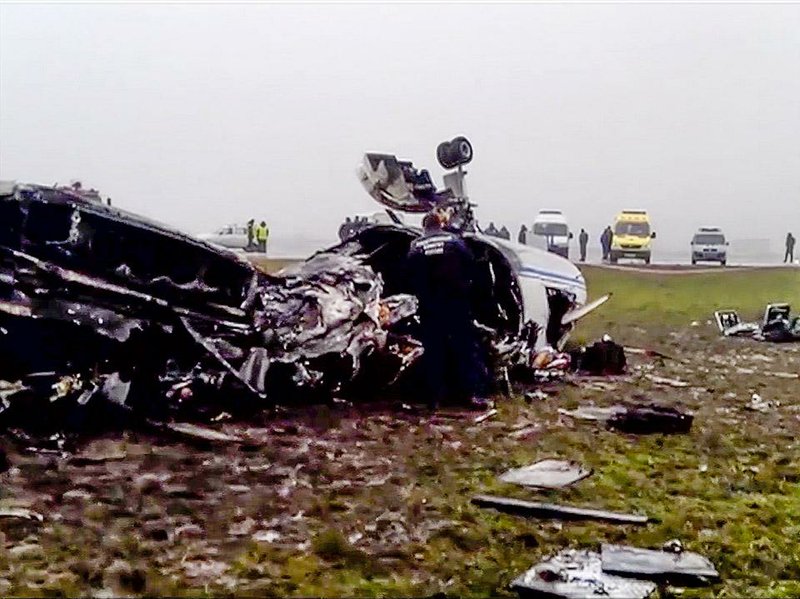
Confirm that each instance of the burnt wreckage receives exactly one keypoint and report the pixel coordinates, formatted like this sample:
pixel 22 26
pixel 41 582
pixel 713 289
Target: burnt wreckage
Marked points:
pixel 101 309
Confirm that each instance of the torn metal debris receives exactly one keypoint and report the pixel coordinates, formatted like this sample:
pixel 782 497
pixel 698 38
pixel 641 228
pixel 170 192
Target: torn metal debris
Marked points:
pixel 778 325
pixel 671 565
pixel 551 510
pixel 616 571
pixel 104 314
pixel 547 474
pixel 594 413
pixel 107 317
pixel 660 380
pixel 576 574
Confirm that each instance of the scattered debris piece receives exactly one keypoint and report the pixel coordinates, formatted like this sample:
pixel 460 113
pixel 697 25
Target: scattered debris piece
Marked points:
pixel 673 546
pixel 660 380
pixel 201 433
pixel 22 513
pixel 759 404
pixel 594 413
pixel 97 457
pixel 672 566
pixel 777 326
pixel 760 358
pixel 783 375
pixel 266 536
pixel 651 418
pixel 547 474
pixel 525 432
pixel 577 574
pixel 650 353
pixel 536 395
pixel 602 358
pixel 485 416
pixel 551 510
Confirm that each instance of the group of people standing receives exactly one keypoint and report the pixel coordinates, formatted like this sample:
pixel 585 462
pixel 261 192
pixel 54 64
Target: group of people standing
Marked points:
pixel 501 233
pixel 606 239
pixel 257 236
pixel 351 226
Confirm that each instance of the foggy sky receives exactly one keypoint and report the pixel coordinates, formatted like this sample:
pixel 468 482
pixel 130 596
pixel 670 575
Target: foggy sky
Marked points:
pixel 200 115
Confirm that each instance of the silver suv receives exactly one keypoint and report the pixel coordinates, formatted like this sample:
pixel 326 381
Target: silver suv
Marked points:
pixel 709 245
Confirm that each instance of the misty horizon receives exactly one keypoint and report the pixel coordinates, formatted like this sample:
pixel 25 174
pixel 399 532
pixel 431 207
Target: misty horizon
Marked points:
pixel 204 115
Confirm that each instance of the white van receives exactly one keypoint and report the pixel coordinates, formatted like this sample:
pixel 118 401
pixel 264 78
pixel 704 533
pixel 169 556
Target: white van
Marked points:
pixel 550 232
pixel 709 245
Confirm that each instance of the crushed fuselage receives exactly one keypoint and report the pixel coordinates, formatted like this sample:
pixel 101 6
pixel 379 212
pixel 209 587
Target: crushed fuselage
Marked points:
pixel 98 305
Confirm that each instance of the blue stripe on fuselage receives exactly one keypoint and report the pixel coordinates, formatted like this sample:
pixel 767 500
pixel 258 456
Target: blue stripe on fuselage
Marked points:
pixel 534 273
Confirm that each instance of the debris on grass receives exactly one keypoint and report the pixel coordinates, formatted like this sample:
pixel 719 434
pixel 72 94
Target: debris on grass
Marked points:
pixel 594 413
pixel 783 375
pixel 577 574
pixel 660 380
pixel 650 353
pixel 650 419
pixel 525 432
pixel 21 513
pixel 536 395
pixel 547 474
pixel 551 510
pixel 671 565
pixel 602 358
pixel 777 326
pixel 204 434
pixel 485 416
pixel 759 404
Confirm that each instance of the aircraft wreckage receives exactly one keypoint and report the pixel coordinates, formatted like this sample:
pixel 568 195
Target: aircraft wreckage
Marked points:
pixel 103 311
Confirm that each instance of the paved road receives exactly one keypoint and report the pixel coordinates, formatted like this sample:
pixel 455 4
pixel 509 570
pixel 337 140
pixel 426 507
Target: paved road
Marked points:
pixel 687 269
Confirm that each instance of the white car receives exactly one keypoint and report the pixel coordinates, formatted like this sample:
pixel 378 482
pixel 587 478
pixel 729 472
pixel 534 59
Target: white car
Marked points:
pixel 550 232
pixel 230 236
pixel 709 245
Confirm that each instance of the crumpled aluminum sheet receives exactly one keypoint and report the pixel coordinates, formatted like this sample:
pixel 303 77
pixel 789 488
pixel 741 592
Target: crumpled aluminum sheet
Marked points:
pixel 577 574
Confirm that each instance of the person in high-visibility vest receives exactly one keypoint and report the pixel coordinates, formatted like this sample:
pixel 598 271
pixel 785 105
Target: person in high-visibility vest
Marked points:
pixel 262 235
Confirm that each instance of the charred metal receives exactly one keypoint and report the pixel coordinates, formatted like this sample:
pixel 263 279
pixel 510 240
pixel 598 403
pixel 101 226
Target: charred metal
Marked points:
pixel 101 307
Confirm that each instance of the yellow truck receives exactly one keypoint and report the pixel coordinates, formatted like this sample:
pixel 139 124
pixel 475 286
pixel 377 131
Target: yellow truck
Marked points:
pixel 632 236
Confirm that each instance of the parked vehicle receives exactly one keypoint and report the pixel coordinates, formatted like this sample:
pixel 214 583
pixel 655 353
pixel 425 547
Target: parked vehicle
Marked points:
pixel 709 245
pixel 550 232
pixel 230 236
pixel 632 236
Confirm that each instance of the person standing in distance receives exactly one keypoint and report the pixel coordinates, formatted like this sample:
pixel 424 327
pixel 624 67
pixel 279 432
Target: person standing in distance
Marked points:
pixel 583 239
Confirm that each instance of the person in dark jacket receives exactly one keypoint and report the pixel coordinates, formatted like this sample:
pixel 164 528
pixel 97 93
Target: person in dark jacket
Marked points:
pixel 522 236
pixel 345 229
pixel 492 230
pixel 790 241
pixel 504 233
pixel 605 242
pixel 441 272
pixel 583 240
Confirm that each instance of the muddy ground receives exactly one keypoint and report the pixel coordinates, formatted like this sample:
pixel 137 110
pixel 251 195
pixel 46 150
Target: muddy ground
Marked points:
pixel 346 501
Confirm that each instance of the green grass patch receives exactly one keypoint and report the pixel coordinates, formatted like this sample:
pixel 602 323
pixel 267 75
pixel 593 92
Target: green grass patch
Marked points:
pixel 676 300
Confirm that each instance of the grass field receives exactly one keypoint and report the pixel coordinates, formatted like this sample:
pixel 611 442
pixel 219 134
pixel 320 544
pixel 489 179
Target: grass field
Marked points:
pixel 371 501
pixel 676 300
